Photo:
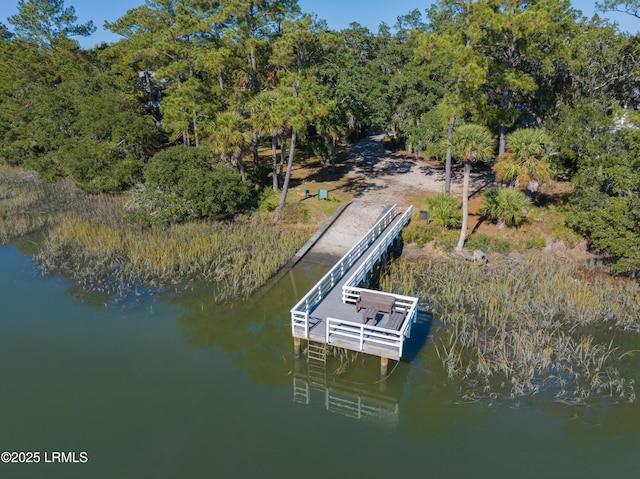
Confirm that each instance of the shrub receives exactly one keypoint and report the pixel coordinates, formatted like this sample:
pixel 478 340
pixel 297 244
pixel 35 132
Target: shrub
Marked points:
pixel 502 246
pixel 189 183
pixel 562 232
pixel 445 210
pixel 488 243
pixel 505 205
pixel 479 241
pixel 446 240
pixel 535 243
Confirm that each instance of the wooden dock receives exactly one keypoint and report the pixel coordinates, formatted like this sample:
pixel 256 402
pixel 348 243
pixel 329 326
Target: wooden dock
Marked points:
pixel 327 313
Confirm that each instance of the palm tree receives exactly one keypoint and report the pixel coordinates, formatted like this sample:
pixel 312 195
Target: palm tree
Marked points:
pixel 469 143
pixel 505 206
pixel 265 120
pixel 331 126
pixel 525 162
pixel 230 138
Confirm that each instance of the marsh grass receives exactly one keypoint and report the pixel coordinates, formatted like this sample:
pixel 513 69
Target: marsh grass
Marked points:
pixel 90 239
pixel 27 204
pixel 236 257
pixel 537 326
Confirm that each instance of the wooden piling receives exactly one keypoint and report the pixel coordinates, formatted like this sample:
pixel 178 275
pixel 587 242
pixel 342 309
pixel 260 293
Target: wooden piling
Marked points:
pixel 296 346
pixel 384 366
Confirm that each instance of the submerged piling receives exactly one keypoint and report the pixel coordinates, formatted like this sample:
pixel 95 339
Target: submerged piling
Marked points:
pixel 384 366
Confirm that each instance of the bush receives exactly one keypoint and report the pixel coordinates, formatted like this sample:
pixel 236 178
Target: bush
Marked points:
pixel 189 183
pixel 487 243
pixel 505 205
pixel 414 231
pixel 535 243
pixel 446 240
pixel 479 241
pixel 502 246
pixel 445 210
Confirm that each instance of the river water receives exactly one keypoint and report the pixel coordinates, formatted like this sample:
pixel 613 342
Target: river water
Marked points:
pixel 173 385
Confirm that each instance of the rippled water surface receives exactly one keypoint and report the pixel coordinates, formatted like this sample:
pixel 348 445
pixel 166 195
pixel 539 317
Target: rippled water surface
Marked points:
pixel 174 385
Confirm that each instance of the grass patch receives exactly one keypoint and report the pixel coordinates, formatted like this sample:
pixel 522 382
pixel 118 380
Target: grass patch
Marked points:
pixel 237 257
pixel 535 243
pixel 89 239
pixel 488 243
pixel 27 204
pixel 562 232
pixel 538 326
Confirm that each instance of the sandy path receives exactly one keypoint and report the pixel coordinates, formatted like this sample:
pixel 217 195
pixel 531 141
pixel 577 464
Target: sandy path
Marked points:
pixel 383 177
pixel 378 179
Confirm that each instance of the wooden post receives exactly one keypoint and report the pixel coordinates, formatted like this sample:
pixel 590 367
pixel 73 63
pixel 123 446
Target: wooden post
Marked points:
pixel 384 366
pixel 383 385
pixel 296 346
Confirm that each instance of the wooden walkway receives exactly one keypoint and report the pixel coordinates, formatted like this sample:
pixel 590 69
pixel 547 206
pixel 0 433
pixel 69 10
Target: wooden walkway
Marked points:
pixel 327 314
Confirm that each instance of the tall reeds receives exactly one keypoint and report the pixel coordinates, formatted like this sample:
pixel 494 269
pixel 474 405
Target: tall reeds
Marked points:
pixel 28 204
pixel 89 238
pixel 539 326
pixel 236 257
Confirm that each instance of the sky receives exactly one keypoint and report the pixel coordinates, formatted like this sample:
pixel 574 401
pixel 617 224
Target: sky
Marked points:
pixel 338 13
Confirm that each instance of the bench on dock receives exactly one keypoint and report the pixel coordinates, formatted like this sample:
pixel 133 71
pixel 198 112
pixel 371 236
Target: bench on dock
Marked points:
pixel 396 319
pixel 378 301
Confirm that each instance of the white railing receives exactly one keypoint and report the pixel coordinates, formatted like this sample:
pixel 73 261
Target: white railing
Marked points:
pixel 358 406
pixel 383 246
pixel 368 335
pixel 300 312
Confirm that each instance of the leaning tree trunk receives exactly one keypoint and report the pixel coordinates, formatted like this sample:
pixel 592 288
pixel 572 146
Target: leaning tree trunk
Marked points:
pixel 223 104
pixel 196 133
pixel 254 149
pixel 334 151
pixel 506 95
pixel 282 153
pixel 285 186
pixel 240 165
pixel 274 155
pixel 465 205
pixel 447 163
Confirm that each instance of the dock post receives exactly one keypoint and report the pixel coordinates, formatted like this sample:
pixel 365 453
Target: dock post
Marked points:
pixel 296 346
pixel 384 366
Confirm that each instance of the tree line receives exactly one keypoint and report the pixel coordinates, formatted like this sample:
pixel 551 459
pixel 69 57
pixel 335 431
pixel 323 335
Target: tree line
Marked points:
pixel 180 105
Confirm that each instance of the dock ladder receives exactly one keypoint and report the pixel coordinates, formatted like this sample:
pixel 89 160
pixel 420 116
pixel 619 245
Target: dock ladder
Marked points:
pixel 317 352
pixel 316 373
pixel 317 365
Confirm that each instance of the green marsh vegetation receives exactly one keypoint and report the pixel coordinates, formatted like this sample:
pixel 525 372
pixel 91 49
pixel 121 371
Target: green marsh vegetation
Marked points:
pixel 91 239
pixel 529 325
pixel 269 76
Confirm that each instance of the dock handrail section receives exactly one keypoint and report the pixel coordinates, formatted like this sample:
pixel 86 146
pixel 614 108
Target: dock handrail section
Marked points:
pixel 300 312
pixel 368 334
pixel 349 291
pixel 390 338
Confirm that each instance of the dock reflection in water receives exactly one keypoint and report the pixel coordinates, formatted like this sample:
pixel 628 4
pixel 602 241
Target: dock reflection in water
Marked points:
pixel 339 398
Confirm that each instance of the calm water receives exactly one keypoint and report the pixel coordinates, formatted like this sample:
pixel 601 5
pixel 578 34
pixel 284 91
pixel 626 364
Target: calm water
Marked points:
pixel 173 385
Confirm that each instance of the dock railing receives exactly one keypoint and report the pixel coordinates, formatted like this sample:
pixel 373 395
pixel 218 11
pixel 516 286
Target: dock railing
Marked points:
pixel 300 312
pixel 350 292
pixel 366 334
pixel 378 336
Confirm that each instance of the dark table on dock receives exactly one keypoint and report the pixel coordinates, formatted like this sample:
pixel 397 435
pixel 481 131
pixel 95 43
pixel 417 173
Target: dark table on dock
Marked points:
pixel 369 314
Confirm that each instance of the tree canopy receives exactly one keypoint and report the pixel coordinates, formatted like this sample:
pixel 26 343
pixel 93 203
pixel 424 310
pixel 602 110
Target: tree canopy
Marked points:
pixel 237 74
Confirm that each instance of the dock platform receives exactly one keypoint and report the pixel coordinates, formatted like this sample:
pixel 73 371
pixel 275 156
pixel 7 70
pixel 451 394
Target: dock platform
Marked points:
pixel 327 314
